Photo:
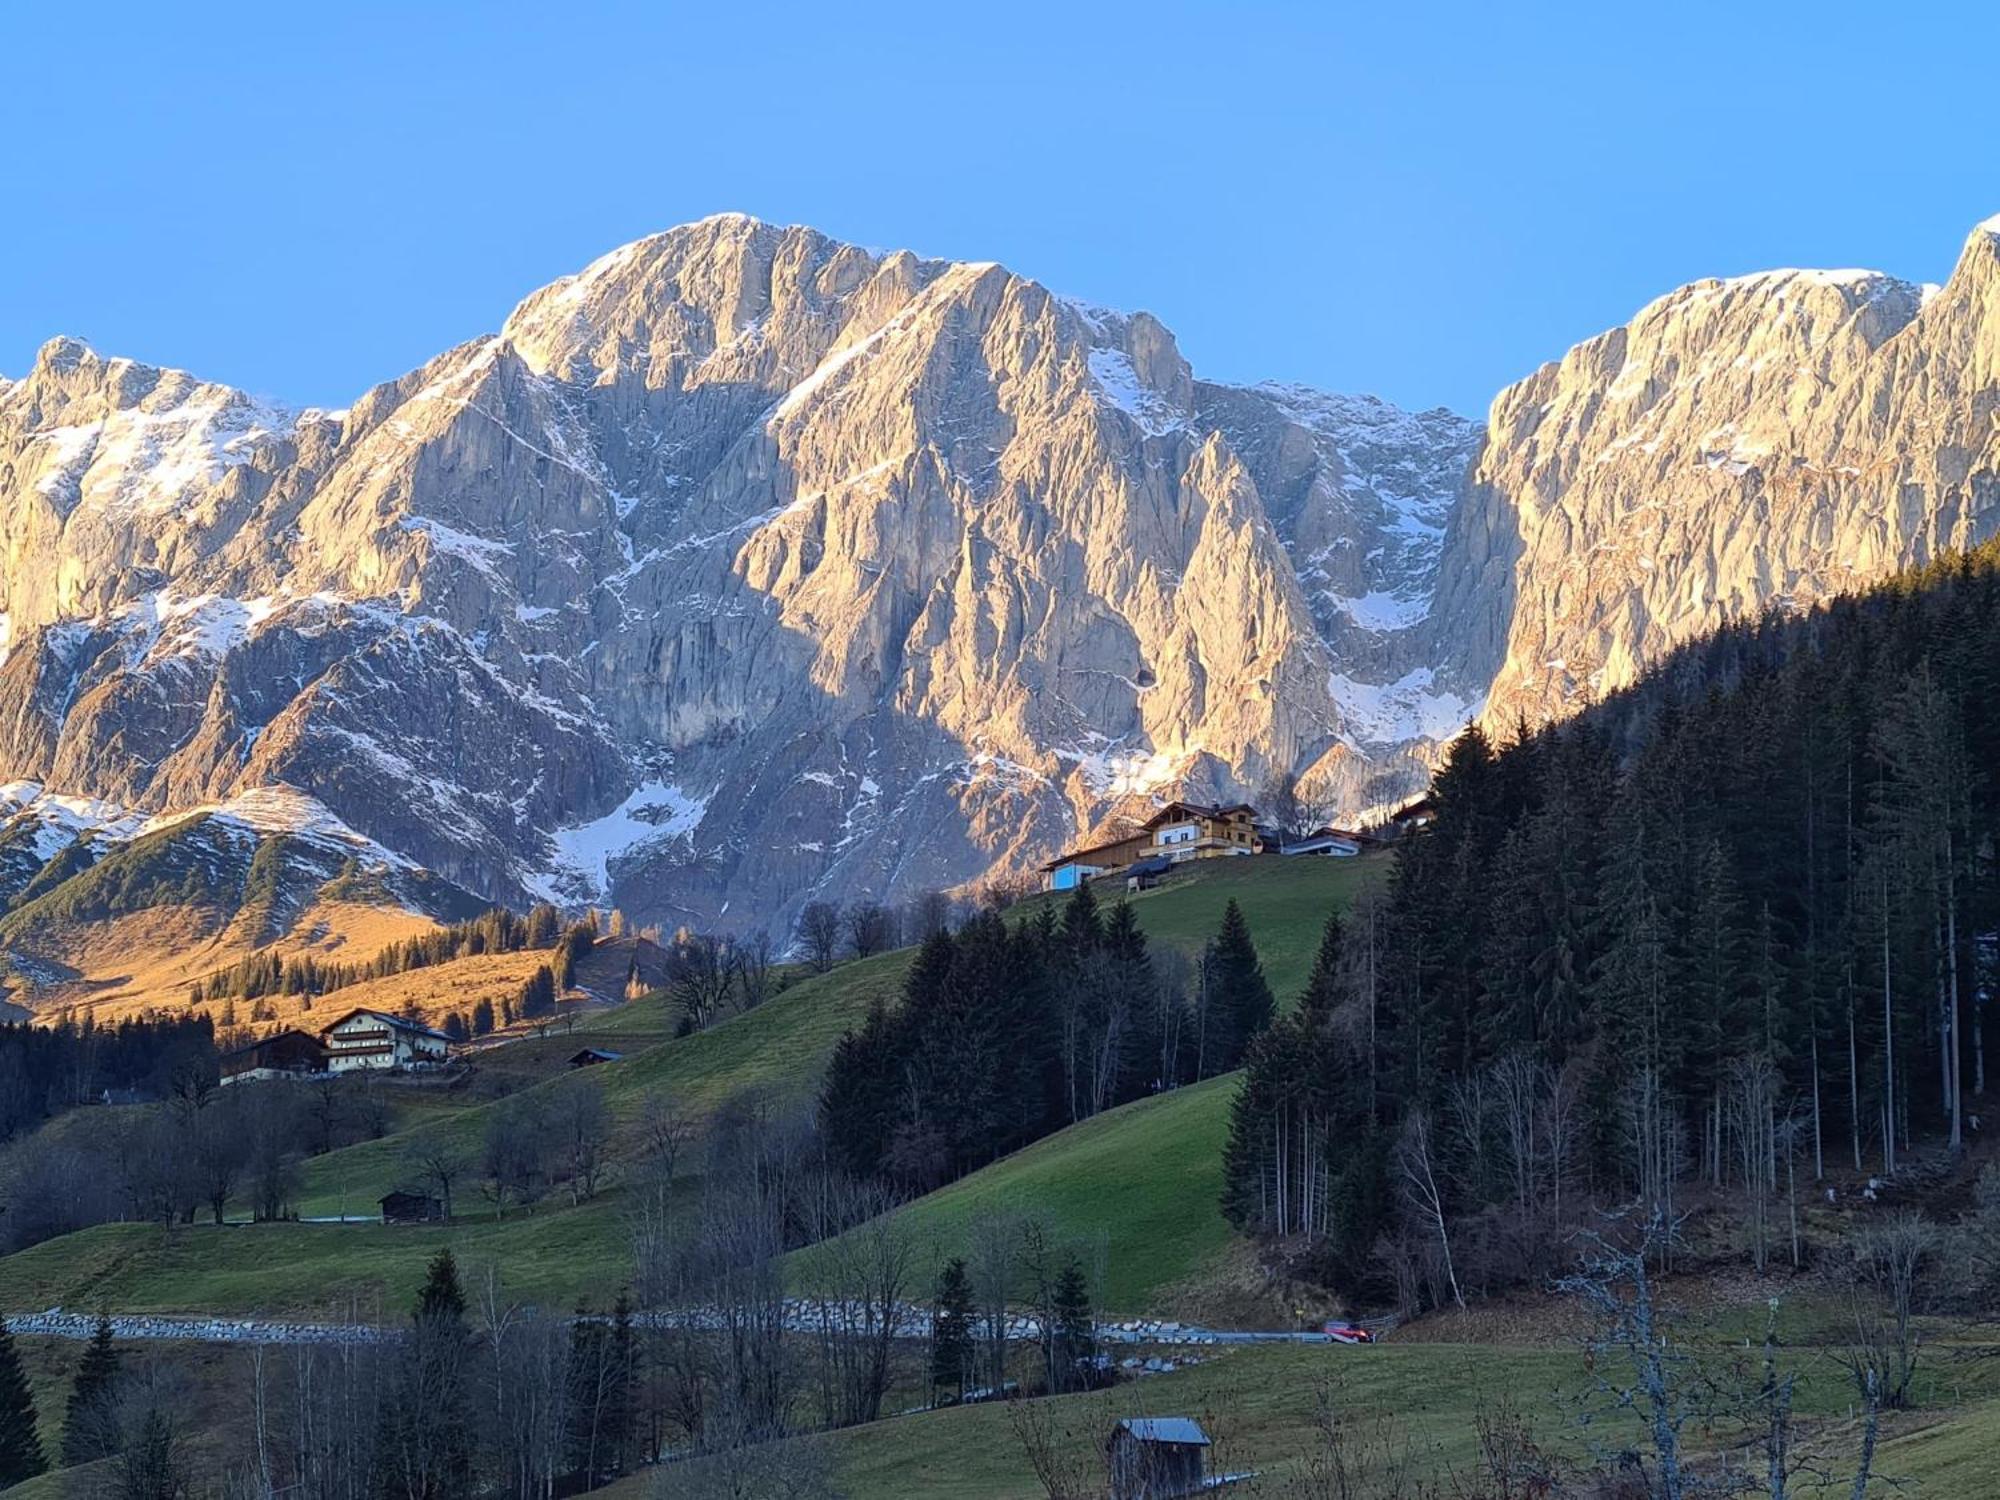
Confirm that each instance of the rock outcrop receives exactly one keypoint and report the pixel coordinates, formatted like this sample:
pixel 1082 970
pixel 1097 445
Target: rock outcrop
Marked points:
pixel 1772 439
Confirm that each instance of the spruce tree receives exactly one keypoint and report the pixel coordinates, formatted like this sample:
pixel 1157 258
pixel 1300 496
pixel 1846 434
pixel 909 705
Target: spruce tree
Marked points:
pixel 441 1296
pixel 622 1409
pixel 951 1332
pixel 86 1428
pixel 1240 1000
pixel 424 1448
pixel 1073 1339
pixel 589 1392
pixel 1082 927
pixel 20 1448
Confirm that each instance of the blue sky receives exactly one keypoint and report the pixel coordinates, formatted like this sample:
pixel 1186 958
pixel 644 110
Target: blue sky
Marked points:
pixel 1424 201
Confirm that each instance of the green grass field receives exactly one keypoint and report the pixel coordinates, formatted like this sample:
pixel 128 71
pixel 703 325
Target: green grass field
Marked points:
pixel 1140 1183
pixel 333 1271
pixel 1424 1401
pixel 1143 1182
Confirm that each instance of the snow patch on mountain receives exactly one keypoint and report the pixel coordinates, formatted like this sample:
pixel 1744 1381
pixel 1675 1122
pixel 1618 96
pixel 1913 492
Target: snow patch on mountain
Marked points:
pixel 1111 771
pixel 1118 385
pixel 59 820
pixel 269 811
pixel 655 812
pixel 1381 611
pixel 1410 708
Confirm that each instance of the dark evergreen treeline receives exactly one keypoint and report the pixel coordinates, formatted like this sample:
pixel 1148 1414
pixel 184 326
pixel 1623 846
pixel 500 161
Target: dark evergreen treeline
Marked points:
pixel 1008 1032
pixel 495 931
pixel 47 1069
pixel 1733 923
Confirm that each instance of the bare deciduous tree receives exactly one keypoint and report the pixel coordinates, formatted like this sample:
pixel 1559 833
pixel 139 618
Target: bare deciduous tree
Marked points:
pixel 869 928
pixel 1889 1256
pixel 582 1131
pixel 819 934
pixel 1417 1167
pixel 864 1274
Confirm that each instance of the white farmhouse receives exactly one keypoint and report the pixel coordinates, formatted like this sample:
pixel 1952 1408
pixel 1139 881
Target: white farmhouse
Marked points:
pixel 374 1039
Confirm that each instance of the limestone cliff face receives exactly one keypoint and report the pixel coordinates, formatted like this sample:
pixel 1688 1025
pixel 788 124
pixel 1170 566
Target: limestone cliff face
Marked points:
pixel 741 566
pixel 1773 438
pixel 746 565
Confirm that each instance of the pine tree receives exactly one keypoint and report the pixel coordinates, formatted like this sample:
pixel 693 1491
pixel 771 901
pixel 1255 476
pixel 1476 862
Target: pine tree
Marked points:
pixel 86 1430
pixel 1240 1000
pixel 1072 1348
pixel 589 1389
pixel 951 1333
pixel 1082 928
pixel 424 1448
pixel 441 1297
pixel 622 1406
pixel 20 1448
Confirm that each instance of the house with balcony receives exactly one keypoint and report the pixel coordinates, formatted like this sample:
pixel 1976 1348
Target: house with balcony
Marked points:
pixel 1182 831
pixel 375 1039
pixel 1178 832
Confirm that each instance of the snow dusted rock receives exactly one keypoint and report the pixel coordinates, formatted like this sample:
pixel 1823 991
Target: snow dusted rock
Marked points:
pixel 746 566
pixel 1771 438
pixel 741 567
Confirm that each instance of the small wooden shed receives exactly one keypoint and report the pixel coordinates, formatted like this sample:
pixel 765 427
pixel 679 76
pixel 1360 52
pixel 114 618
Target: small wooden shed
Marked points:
pixel 1157 1458
pixel 412 1208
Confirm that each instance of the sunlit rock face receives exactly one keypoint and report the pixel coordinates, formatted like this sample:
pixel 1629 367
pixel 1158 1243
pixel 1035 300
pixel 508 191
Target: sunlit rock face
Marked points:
pixel 1770 439
pixel 746 566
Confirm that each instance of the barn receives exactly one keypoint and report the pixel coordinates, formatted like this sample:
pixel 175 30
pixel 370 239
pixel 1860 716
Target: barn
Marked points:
pixel 1157 1458
pixel 411 1208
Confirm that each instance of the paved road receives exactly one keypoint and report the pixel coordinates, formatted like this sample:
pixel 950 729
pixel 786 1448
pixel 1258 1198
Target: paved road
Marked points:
pixel 912 1321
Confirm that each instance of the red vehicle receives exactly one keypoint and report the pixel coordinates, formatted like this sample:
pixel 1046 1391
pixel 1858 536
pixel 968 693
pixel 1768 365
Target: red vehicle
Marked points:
pixel 1348 1333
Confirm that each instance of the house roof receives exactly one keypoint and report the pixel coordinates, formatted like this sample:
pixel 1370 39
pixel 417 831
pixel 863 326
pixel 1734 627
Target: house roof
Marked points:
pixel 597 1054
pixel 1416 807
pixel 288 1035
pixel 1159 864
pixel 1327 836
pixel 395 1023
pixel 1166 1430
pixel 1076 855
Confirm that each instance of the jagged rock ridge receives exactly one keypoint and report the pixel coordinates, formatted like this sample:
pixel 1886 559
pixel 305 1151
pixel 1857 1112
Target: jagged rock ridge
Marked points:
pixel 747 565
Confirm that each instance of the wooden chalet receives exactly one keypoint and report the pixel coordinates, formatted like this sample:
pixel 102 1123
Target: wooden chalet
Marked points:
pixel 1194 830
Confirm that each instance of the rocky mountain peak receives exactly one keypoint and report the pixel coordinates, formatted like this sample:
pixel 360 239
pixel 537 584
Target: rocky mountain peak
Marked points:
pixel 745 565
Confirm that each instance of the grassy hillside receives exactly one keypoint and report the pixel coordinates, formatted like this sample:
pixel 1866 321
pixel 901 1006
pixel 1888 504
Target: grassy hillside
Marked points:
pixel 1143 1182
pixel 782 1046
pixel 1140 1182
pixel 334 1271
pixel 1284 900
pixel 1259 1404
